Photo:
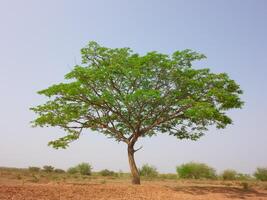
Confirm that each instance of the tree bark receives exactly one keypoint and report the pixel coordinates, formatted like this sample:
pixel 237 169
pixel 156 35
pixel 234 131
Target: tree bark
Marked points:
pixel 134 170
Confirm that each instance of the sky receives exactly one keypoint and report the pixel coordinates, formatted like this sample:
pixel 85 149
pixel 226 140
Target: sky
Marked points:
pixel 40 42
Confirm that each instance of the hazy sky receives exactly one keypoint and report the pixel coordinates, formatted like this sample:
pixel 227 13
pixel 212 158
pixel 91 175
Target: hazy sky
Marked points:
pixel 40 41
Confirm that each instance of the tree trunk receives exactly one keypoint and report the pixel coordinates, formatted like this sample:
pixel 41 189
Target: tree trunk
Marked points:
pixel 134 170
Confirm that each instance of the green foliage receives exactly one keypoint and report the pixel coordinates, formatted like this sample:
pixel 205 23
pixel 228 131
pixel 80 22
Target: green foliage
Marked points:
pixel 244 177
pixel 229 174
pixel 73 170
pixel 195 170
pixel 60 171
pixel 48 168
pixel 107 172
pixel 125 96
pixel 34 169
pixel 261 174
pixel 82 168
pixel 148 171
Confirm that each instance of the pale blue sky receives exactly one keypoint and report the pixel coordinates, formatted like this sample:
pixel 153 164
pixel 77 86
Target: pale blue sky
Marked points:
pixel 40 42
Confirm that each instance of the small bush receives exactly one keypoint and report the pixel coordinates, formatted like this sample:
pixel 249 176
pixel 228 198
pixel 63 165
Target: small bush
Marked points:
pixel 244 177
pixel 34 169
pixel 195 170
pixel 148 171
pixel 245 186
pixel 34 179
pixel 48 168
pixel 72 170
pixel 261 174
pixel 60 171
pixel 84 168
pixel 18 176
pixel 229 174
pixel 107 172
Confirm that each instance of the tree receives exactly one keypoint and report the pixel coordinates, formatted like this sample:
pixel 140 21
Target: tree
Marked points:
pixel 127 96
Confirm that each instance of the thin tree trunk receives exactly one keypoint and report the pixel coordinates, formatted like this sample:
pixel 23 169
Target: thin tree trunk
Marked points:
pixel 134 170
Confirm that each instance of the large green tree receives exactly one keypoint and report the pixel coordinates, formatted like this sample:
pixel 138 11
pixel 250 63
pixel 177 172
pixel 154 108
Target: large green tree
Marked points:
pixel 127 96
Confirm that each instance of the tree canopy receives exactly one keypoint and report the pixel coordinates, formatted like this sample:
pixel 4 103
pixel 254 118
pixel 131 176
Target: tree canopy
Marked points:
pixel 119 93
pixel 125 96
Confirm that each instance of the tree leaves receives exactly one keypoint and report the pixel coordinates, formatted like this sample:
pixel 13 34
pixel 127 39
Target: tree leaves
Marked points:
pixel 125 96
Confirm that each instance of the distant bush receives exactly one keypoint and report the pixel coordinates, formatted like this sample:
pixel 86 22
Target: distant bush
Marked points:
pixel 107 172
pixel 168 176
pixel 243 177
pixel 72 170
pixel 82 168
pixel 195 170
pixel 48 168
pixel 229 174
pixel 60 171
pixel 34 169
pixel 261 174
pixel 148 171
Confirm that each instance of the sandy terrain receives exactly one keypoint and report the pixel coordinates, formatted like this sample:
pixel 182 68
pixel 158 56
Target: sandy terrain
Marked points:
pixel 116 191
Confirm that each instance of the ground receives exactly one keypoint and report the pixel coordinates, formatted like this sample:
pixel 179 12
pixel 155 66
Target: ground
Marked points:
pixel 21 184
pixel 120 190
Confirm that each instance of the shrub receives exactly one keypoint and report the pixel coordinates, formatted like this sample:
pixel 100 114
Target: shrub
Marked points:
pixel 34 169
pixel 245 186
pixel 148 171
pixel 261 174
pixel 243 177
pixel 84 169
pixel 72 170
pixel 195 170
pixel 34 179
pixel 168 176
pixel 48 168
pixel 60 171
pixel 229 174
pixel 107 172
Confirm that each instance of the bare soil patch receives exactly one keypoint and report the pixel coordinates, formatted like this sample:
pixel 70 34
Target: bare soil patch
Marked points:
pixel 121 190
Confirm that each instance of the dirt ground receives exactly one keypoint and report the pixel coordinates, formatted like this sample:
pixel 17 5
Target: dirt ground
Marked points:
pixel 121 190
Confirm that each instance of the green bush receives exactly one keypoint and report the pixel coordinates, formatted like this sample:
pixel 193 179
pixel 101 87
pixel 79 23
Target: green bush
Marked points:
pixel 148 171
pixel 261 174
pixel 107 172
pixel 82 168
pixel 195 170
pixel 244 177
pixel 229 174
pixel 72 170
pixel 48 168
pixel 34 169
pixel 60 171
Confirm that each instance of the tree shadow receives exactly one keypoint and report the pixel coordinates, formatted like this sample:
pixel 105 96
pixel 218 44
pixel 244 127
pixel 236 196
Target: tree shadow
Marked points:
pixel 230 192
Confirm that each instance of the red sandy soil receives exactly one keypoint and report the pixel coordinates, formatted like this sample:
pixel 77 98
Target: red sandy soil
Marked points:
pixel 119 191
